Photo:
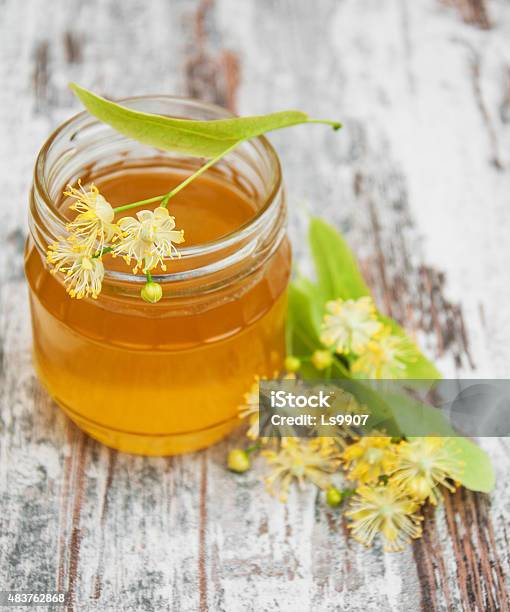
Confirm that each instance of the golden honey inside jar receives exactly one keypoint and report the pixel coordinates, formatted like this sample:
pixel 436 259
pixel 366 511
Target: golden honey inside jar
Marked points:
pixel 164 378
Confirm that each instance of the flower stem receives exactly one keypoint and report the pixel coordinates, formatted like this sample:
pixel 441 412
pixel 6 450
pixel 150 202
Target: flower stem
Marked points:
pixel 170 194
pixel 348 492
pixel 139 203
pixel 196 174
pixel 336 125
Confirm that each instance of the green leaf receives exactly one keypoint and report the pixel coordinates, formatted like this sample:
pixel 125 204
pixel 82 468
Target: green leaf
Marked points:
pixel 416 418
pixel 303 331
pixel 197 138
pixel 302 326
pixel 377 406
pixel 478 474
pixel 338 274
pixel 315 306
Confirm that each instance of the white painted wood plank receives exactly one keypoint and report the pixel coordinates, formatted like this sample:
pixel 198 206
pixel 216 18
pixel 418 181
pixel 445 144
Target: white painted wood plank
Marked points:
pixel 417 149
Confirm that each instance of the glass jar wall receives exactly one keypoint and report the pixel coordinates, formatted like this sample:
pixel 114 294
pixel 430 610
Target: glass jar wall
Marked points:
pixel 162 378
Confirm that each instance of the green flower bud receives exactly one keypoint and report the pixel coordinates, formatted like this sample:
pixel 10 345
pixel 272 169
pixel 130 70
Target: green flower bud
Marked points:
pixel 152 292
pixel 334 497
pixel 238 461
pixel 292 364
pixel 322 359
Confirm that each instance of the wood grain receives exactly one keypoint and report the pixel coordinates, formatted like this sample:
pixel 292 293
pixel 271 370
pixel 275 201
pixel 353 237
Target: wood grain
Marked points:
pixel 475 12
pixel 418 180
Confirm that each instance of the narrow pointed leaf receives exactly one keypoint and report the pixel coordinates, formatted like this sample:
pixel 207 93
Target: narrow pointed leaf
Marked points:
pixel 338 274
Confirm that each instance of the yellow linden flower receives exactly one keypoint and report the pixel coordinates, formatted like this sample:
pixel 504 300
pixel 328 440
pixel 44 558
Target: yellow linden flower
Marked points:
pixel 386 356
pixel 349 325
pixel 83 274
pixel 95 218
pixel 149 239
pixel 250 410
pixel 369 458
pixel 299 460
pixel 424 463
pixel 385 510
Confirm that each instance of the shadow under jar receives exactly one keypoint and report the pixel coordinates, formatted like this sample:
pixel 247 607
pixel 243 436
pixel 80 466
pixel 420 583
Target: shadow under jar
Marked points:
pixel 165 378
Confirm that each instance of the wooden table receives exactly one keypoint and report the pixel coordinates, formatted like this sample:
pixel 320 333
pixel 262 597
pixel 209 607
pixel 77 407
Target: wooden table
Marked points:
pixel 419 180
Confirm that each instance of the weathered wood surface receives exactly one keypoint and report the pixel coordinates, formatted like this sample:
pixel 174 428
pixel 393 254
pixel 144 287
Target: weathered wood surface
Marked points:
pixel 419 180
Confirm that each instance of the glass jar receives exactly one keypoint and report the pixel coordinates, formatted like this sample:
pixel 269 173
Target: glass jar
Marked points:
pixel 165 378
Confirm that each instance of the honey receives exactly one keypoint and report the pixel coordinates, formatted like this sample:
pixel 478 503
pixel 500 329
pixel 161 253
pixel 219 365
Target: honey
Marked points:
pixel 166 378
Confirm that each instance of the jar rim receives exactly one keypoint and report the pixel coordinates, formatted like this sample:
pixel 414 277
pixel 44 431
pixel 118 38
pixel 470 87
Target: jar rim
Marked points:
pixel 210 246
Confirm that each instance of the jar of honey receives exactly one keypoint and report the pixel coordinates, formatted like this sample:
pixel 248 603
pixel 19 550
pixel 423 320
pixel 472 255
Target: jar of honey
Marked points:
pixel 164 378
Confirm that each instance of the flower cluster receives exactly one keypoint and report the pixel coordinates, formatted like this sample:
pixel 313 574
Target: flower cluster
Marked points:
pixel 300 460
pixel 351 328
pixel 350 325
pixel 390 478
pixel 394 480
pixel 385 510
pixel 148 240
